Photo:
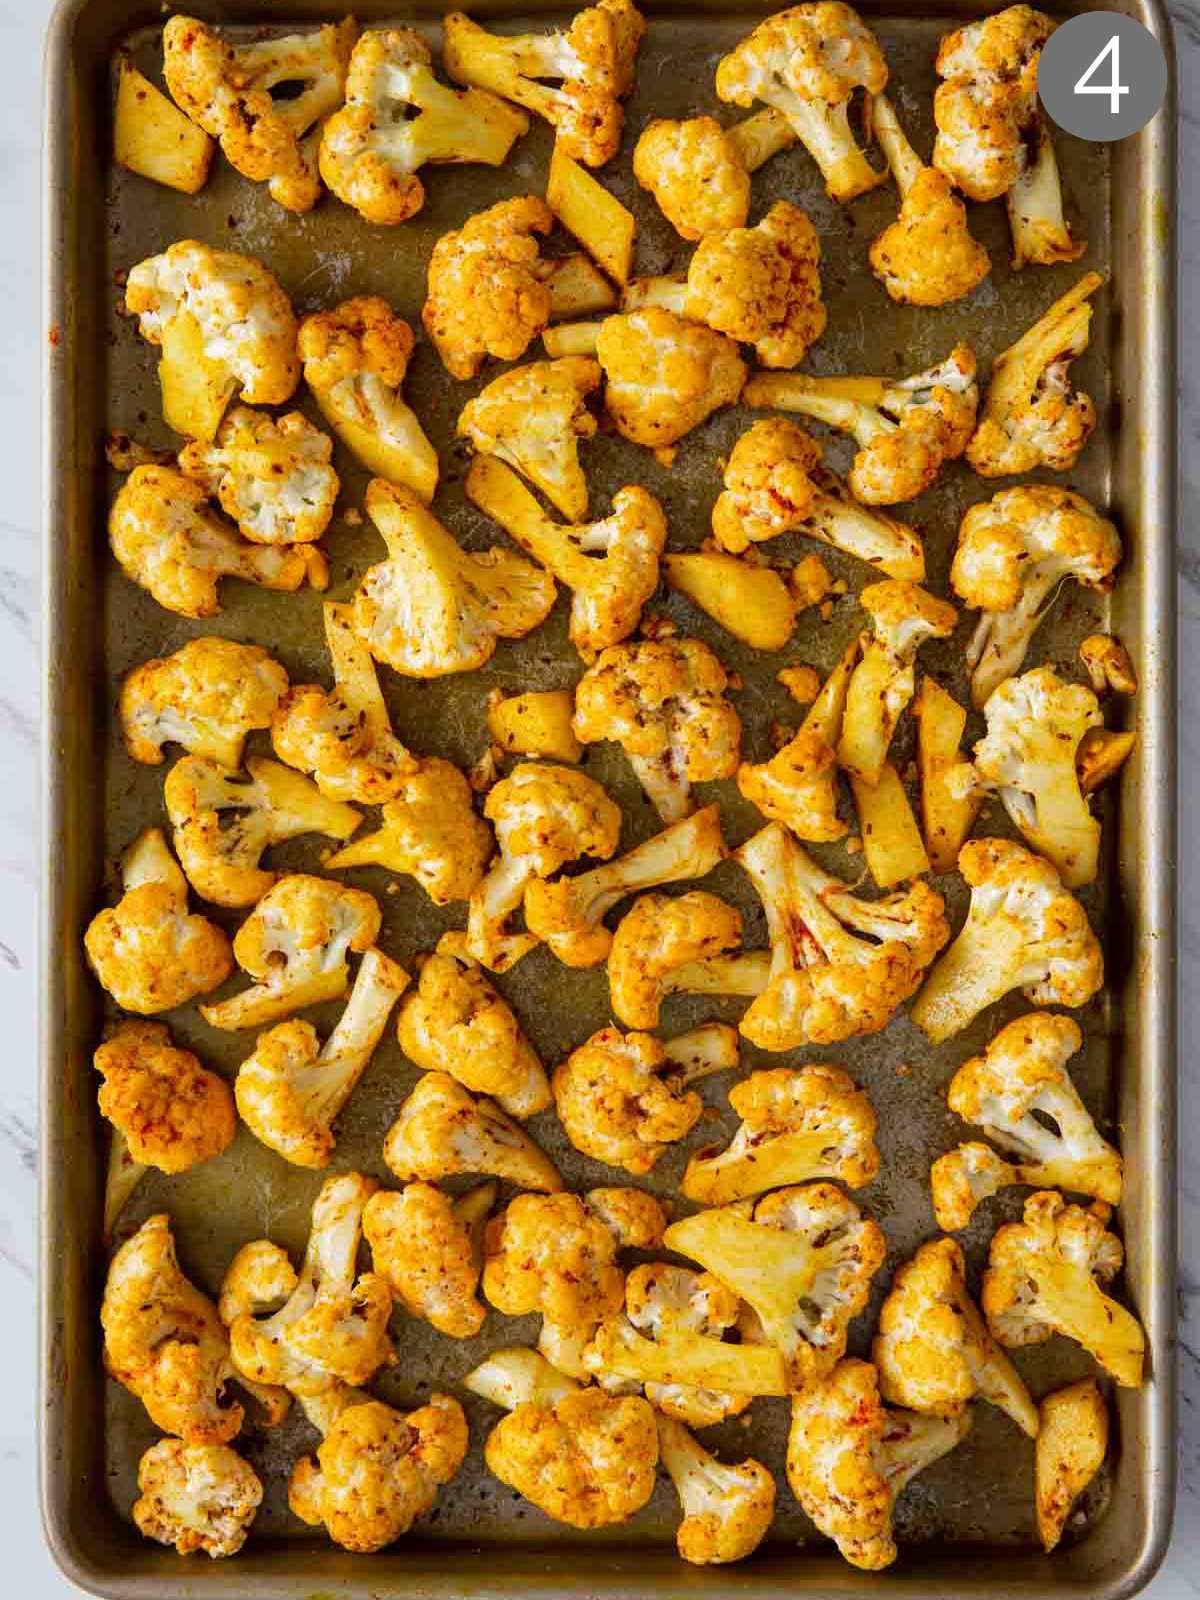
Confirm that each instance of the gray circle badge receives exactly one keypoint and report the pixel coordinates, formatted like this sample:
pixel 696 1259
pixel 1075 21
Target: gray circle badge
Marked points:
pixel 1102 76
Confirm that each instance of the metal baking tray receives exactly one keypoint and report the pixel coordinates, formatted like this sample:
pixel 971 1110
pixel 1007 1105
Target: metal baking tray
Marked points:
pixel 966 1526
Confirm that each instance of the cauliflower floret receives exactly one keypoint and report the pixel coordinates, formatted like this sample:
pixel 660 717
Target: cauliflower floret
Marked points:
pixel 432 607
pixel 291 1088
pixel 903 616
pixel 171 1111
pixel 658 936
pixel 849 1459
pixel 430 832
pixel 773 486
pixel 428 1248
pixel 568 913
pixel 355 360
pixel 1023 931
pixel 840 965
pixel 295 943
pixel 927 257
pixel 1044 1275
pixel 798 787
pixel 1071 1447
pixel 442 1131
pixel 593 61
pixel 376 1470
pixel 665 375
pixel 397 117
pixel 1109 665
pixel 272 475
pixel 333 1324
pixel 663 701
pixel 807 62
pixel 223 323
pixel 228 90
pixel 802 1261
pixel 207 696
pixel 148 950
pixel 164 1341
pixel 797 1124
pixel 455 1022
pixel 727 1511
pixel 610 565
pixel 1014 552
pixel 167 538
pixel 933 1351
pixel 486 295
pixel 196 1497
pixel 533 418
pixel 760 285
pixel 905 428
pixel 699 172
pixel 225 820
pixel 1035 724
pixel 1032 417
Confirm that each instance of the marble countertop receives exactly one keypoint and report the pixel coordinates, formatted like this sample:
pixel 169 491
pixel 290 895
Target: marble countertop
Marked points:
pixel 28 1564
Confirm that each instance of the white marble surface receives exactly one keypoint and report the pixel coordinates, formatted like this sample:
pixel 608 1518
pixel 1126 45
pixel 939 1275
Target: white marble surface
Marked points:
pixel 21 333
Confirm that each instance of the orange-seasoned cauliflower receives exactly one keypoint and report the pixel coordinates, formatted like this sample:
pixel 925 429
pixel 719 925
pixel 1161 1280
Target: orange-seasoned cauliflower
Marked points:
pixel 273 475
pixel 665 375
pixel 1023 931
pixel 227 89
pixel 171 1111
pixel 593 60
pixel 933 1351
pixel 850 1457
pixel 196 1497
pixel 397 118
pixel 207 696
pixel 442 1131
pixel 485 294
pixel 663 701
pixel 432 607
pixel 699 172
pixel 148 950
pixel 1071 1447
pixel 657 941
pixel 376 1470
pixel 610 565
pixel 727 1511
pixel 291 1088
pixel 1109 664
pixel 428 1247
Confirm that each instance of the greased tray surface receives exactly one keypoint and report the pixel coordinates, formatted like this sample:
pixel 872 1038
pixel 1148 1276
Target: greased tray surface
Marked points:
pixel 967 1521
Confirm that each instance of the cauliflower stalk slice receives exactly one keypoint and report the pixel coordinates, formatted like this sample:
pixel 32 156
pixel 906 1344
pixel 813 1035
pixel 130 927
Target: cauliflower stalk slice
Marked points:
pixel 850 1457
pixel 1023 931
pixel 750 600
pixel 1071 1448
pixel 442 1131
pixel 398 118
pixel 807 62
pixel 659 935
pixel 727 1510
pixel 196 1497
pixel 291 1088
pixel 167 1111
pixel 1044 1276
pixel 533 419
pixel 206 696
pixel 273 476
pixel 429 1248
pixel 699 173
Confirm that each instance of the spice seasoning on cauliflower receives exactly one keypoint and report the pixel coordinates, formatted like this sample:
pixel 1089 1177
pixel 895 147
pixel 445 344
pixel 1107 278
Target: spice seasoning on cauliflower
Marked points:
pixel 207 696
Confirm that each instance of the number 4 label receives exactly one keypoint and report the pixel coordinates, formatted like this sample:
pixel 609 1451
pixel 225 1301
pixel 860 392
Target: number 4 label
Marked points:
pixel 1114 88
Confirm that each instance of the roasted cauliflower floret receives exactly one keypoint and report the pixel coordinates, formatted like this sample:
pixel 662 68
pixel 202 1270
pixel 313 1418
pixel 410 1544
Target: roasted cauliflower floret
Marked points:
pixel 1023 931
pixel 207 696
pixel 840 965
pixel 223 324
pixel 376 1470
pixel 1044 1276
pixel 442 1131
pixel 665 375
pixel 796 1124
pixel 148 950
pixel 807 62
pixel 533 418
pixel 273 476
pixel 291 1088
pixel 171 1111
pixel 228 90
pixel 849 1459
pixel 432 607
pixel 167 538
pixel 355 360
pixel 663 701
pixel 1071 1448
pixel 428 1248
pixel 485 294
pixel 699 172
pixel 727 1511
pixel 196 1497
pixel 1014 551
pixel 773 486
pixel 593 61
pixel 398 117
pixel 1108 664
pixel 657 937
pixel 1031 416
pixel 568 913
pixel 610 565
